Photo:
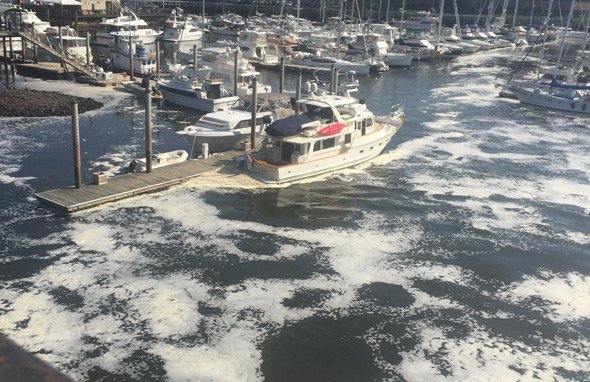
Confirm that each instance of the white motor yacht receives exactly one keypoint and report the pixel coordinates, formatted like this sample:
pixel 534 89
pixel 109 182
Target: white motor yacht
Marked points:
pixel 126 25
pixel 224 130
pixel 180 30
pixel 144 63
pixel 187 90
pixel 331 133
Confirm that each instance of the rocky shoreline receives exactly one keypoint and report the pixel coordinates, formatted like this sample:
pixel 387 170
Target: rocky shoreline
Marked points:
pixel 36 103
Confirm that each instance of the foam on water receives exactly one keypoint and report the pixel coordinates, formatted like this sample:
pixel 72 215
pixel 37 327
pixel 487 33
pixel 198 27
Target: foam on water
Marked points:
pixel 566 295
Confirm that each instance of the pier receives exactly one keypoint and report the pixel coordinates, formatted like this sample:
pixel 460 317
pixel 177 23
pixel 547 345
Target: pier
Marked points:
pixel 120 187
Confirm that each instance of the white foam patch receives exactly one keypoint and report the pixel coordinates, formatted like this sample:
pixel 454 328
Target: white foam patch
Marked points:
pixel 568 295
pixel 481 357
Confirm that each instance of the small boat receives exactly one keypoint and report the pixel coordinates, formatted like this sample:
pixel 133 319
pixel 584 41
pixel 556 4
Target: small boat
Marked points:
pixel 139 88
pixel 187 90
pixel 224 130
pixel 159 160
pixel 332 132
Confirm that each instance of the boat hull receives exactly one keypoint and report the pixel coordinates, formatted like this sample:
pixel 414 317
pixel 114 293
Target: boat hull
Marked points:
pixel 363 149
pixel 549 101
pixel 204 105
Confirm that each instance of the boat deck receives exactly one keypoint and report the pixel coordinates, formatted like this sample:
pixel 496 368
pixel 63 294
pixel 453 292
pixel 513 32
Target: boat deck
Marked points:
pixel 119 187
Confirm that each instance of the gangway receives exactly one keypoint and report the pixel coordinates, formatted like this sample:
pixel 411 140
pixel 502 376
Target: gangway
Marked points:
pixel 74 62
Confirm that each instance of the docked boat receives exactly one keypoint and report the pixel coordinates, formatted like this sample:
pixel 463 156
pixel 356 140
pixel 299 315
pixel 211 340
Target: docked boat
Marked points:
pixel 182 31
pixel 187 90
pixel 144 63
pixel 331 133
pixel 563 97
pixel 126 25
pixel 159 160
pixel 224 130
pixel 67 40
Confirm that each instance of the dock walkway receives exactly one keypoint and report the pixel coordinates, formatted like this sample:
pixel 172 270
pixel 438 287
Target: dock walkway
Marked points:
pixel 119 187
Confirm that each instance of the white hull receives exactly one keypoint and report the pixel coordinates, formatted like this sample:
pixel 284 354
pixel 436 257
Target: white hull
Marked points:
pixel 121 62
pixel 204 105
pixel 231 140
pixel 398 59
pixel 363 149
pixel 546 100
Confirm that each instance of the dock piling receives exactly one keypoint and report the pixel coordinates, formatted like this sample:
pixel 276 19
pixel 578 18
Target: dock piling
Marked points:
pixel 254 82
pixel 298 91
pixel 332 79
pixel 88 49
pixel 157 59
pixel 195 60
pixel 6 73
pixel 236 71
pixel 282 77
pixel 76 146
pixel 131 71
pixel 148 130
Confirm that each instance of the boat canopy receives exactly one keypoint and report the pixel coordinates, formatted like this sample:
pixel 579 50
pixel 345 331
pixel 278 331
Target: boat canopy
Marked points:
pixel 288 126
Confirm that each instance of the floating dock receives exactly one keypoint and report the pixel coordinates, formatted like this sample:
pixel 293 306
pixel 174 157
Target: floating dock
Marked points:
pixel 119 187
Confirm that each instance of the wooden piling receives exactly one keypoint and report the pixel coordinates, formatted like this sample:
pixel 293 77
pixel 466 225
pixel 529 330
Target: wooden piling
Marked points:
pixel 6 74
pixel 148 130
pixel 236 72
pixel 157 59
pixel 195 59
pixel 131 71
pixel 254 82
pixel 298 91
pixel 282 77
pixel 88 49
pixel 76 146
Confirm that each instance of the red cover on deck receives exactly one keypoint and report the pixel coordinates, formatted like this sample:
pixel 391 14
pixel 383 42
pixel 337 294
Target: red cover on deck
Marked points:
pixel 332 129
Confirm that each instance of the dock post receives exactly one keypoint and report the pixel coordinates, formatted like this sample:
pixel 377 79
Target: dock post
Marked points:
pixel 298 91
pixel 76 145
pixel 236 72
pixel 131 68
pixel 282 77
pixel 254 82
pixel 61 38
pixel 24 52
pixel 35 56
pixel 148 130
pixel 157 59
pixel 332 79
pixel 12 66
pixel 195 59
pixel 87 48
pixel 6 73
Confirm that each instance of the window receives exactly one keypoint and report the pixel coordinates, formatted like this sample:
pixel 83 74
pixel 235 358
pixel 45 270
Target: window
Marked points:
pixel 317 146
pixel 369 122
pixel 348 138
pixel 330 142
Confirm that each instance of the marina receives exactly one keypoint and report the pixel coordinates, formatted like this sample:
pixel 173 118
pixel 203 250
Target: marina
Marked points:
pixel 419 221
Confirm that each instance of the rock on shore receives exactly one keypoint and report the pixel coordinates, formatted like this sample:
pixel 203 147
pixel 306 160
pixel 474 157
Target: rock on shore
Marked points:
pixel 35 103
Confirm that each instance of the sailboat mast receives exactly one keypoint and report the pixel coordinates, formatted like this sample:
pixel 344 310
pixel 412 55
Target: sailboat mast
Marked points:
pixel 457 21
pixel 567 24
pixel 514 18
pixel 544 31
pixel 440 18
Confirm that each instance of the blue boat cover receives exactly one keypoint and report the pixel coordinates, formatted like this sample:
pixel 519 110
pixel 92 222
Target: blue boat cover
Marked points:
pixel 287 126
pixel 557 84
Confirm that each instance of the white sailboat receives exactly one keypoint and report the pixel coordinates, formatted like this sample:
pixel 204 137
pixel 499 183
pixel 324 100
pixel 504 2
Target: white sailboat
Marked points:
pixel 558 96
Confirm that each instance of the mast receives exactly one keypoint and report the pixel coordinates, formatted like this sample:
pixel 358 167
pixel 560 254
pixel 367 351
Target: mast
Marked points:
pixel 514 18
pixel 567 24
pixel 442 8
pixel 544 31
pixel 457 21
pixel 339 29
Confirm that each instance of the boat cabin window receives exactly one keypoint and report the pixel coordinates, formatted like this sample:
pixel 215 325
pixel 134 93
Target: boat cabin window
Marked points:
pixel 248 123
pixel 347 138
pixel 369 122
pixel 324 144
pixel 319 113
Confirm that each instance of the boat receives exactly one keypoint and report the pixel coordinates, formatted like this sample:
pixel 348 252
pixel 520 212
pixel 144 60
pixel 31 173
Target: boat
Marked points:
pixel 226 130
pixel 187 90
pixel 569 97
pixel 331 133
pixel 139 88
pixel 159 160
pixel 126 25
pixel 181 30
pixel 144 63
pixel 67 40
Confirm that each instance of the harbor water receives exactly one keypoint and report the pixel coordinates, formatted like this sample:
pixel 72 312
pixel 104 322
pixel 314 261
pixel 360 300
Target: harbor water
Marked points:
pixel 462 253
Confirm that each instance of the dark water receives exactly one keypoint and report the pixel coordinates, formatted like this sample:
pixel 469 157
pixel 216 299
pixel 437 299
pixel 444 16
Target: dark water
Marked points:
pixel 460 254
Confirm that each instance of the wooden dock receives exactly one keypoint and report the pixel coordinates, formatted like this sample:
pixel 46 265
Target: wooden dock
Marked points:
pixel 125 186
